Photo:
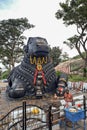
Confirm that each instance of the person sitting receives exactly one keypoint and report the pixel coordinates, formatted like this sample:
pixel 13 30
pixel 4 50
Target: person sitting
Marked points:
pixel 68 98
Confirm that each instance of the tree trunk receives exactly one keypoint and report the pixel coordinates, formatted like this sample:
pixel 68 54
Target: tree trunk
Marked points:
pixel 85 69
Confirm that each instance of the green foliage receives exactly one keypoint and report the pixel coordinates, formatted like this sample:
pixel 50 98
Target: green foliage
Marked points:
pixel 78 56
pixel 55 54
pixel 78 9
pixel 73 77
pixel 12 40
pixel 65 57
pixel 58 73
pixel 5 74
pixel 74 12
pixel 77 78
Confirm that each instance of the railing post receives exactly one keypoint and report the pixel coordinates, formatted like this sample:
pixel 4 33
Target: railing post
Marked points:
pixel 24 115
pixel 84 103
pixel 50 116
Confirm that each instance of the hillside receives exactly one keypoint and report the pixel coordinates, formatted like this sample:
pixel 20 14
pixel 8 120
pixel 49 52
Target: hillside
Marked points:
pixel 70 66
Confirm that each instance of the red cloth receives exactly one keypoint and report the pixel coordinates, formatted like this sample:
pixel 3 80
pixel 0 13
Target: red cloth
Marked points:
pixel 35 76
pixel 43 76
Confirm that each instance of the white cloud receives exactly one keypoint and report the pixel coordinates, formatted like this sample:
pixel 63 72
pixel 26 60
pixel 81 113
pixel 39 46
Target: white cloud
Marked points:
pixel 41 13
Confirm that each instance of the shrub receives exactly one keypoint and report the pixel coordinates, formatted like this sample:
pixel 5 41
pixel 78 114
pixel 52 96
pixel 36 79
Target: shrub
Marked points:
pixel 5 74
pixel 77 78
pixel 58 73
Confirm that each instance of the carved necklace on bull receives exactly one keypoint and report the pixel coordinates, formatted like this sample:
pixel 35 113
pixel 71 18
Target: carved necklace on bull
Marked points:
pixel 38 62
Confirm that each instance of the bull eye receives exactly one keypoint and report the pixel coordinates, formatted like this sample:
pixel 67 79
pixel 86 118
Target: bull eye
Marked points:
pixel 40 44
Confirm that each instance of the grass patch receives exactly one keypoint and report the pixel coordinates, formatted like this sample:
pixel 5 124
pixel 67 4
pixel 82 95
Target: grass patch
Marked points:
pixel 74 77
pixel 77 78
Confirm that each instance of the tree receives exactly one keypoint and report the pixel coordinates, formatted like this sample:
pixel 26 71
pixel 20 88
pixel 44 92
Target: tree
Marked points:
pixel 74 12
pixel 55 54
pixel 65 56
pixel 12 40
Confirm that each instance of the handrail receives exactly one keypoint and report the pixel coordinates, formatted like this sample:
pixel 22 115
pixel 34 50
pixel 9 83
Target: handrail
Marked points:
pixel 14 109
pixel 10 112
pixel 26 120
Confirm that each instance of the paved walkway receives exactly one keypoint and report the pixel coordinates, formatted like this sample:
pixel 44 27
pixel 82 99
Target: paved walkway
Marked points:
pixel 80 126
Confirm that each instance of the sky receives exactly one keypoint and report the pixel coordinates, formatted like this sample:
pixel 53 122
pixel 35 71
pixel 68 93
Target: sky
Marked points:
pixel 40 13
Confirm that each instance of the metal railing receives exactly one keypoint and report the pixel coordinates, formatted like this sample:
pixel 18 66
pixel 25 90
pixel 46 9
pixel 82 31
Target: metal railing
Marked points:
pixel 34 117
pixel 25 116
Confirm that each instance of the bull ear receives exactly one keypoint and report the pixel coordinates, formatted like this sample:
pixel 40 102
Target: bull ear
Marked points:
pixel 28 44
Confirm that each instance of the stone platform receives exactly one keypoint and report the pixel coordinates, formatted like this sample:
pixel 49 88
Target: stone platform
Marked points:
pixel 7 104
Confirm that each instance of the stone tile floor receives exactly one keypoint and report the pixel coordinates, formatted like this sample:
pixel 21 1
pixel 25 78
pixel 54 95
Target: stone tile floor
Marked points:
pixel 80 126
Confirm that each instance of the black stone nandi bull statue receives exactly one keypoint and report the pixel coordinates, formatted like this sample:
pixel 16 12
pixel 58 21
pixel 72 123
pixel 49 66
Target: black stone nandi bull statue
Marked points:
pixel 35 76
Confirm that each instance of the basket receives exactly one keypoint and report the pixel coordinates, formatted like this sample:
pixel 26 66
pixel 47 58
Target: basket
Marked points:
pixel 74 116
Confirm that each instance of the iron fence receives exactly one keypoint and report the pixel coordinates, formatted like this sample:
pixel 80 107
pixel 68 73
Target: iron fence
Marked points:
pixel 33 117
